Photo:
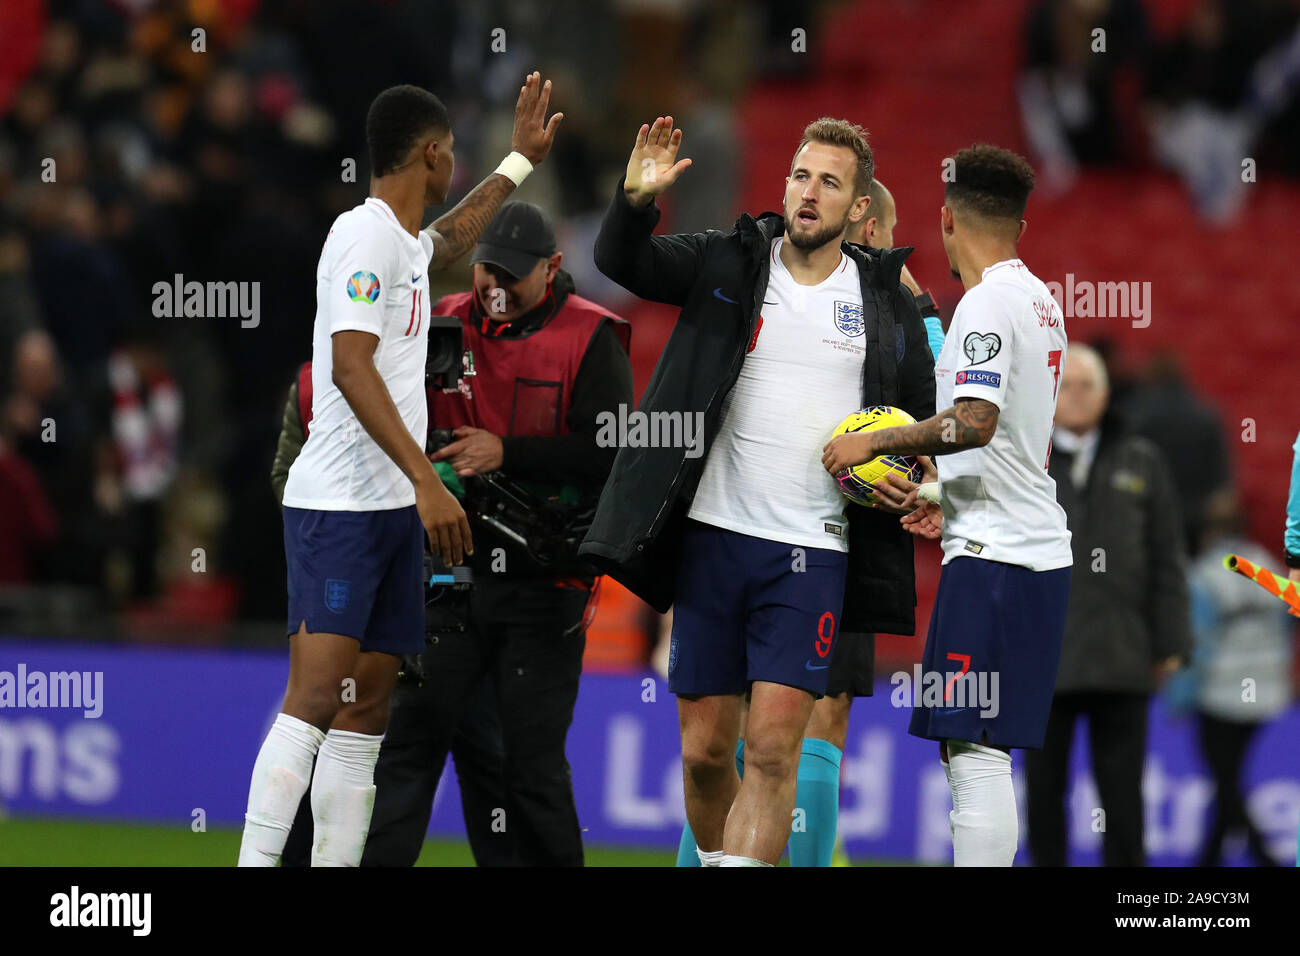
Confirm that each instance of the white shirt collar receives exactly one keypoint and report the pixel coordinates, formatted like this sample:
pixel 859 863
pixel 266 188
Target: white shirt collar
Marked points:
pixel 998 265
pixel 1070 443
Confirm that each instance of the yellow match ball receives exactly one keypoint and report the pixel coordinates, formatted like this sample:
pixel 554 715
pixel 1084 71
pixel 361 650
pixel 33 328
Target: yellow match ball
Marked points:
pixel 856 482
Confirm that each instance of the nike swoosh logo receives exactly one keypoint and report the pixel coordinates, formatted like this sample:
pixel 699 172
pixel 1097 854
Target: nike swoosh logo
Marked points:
pixel 415 278
pixel 765 302
pixel 717 294
pixel 819 667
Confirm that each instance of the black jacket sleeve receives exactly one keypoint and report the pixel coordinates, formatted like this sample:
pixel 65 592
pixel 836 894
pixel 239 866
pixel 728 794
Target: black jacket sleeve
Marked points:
pixel 1168 601
pixel 603 382
pixel 289 444
pixel 916 372
pixel 658 268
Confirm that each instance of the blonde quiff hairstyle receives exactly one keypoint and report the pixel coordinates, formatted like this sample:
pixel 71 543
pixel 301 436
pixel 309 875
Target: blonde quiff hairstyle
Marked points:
pixel 838 132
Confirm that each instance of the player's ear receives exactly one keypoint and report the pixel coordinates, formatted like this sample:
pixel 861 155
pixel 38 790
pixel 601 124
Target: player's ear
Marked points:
pixel 1020 233
pixel 859 208
pixel 945 220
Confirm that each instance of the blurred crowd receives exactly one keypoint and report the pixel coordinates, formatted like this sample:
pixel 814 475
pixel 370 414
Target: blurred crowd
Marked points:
pixel 1099 87
pixel 217 141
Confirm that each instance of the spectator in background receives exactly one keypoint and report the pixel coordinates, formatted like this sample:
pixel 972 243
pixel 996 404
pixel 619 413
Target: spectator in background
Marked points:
pixel 719 67
pixel 45 424
pixel 1189 435
pixel 1240 672
pixel 1120 377
pixel 19 314
pixel 137 469
pixel 1126 627
pixel 1222 88
pixel 1076 53
pixel 28 376
pixel 27 522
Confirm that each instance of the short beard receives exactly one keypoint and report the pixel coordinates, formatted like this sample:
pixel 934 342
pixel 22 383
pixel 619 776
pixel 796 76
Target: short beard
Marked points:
pixel 817 239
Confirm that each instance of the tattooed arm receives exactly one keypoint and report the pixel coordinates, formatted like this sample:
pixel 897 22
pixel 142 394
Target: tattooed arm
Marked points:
pixel 968 424
pixel 455 233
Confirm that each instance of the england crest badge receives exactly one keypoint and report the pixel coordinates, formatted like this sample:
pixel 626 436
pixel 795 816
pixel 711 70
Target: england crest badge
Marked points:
pixel 848 318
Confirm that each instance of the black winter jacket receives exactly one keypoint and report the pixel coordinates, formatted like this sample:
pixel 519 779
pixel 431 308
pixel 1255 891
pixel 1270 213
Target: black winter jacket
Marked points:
pixel 719 280
pixel 1128 594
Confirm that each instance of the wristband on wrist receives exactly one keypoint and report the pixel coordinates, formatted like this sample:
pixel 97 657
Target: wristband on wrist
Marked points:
pixel 925 304
pixel 515 167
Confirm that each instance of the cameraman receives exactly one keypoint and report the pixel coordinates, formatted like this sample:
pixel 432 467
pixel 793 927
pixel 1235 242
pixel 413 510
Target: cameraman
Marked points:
pixel 546 362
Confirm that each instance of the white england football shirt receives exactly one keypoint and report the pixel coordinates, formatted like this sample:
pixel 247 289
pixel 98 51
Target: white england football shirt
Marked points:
pixel 801 377
pixel 1006 344
pixel 371 278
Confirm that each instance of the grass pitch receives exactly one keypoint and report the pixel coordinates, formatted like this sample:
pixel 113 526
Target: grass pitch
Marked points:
pixel 28 842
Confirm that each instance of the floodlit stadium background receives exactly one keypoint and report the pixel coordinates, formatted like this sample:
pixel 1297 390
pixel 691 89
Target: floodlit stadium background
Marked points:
pixel 223 155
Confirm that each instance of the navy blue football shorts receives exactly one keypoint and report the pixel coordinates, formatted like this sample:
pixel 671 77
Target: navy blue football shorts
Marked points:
pixel 991 655
pixel 359 574
pixel 743 613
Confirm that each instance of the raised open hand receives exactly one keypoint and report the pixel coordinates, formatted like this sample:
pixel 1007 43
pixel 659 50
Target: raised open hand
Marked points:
pixel 653 165
pixel 533 133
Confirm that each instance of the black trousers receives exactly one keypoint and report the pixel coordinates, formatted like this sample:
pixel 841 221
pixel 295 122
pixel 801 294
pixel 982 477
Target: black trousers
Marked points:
pixel 1224 744
pixel 480 771
pixel 1117 731
pixel 527 638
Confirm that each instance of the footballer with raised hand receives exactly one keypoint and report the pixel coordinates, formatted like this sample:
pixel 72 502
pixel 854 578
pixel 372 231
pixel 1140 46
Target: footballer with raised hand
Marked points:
pixel 1005 582
pixel 852 663
pixel 784 328
pixel 361 496
pixel 852 670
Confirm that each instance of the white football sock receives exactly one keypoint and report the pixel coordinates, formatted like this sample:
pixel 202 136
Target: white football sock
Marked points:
pixel 281 776
pixel 729 860
pixel 984 823
pixel 343 796
pixel 709 857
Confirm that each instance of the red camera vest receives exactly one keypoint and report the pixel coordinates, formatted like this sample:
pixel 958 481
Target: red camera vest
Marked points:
pixel 304 398
pixel 522 386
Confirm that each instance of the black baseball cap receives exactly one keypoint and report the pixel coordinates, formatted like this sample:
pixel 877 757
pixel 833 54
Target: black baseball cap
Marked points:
pixel 516 238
